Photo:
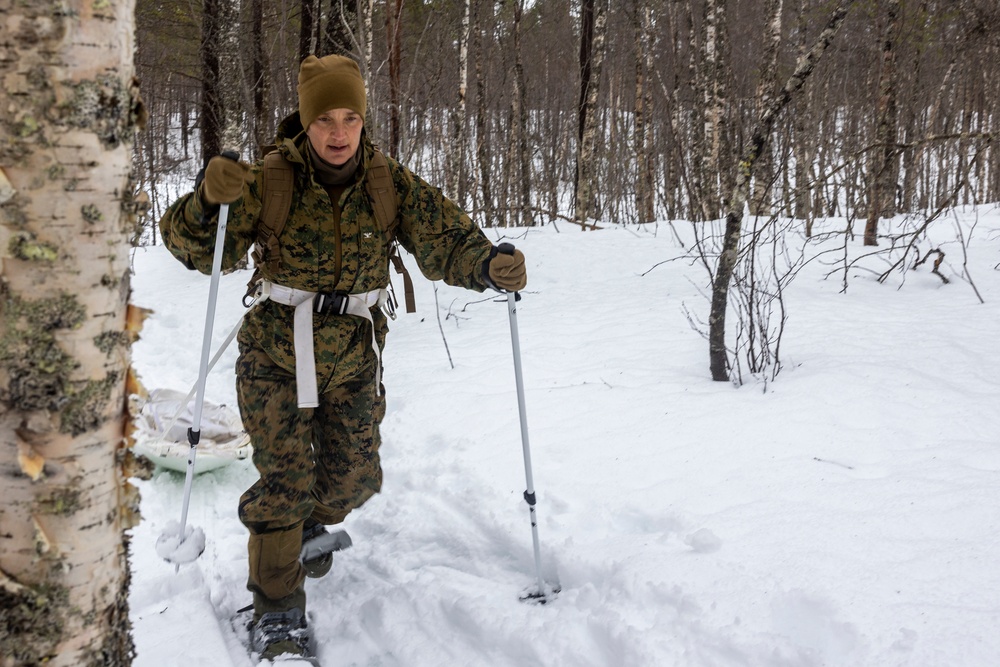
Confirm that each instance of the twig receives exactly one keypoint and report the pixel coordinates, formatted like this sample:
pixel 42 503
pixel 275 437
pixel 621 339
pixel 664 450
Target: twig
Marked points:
pixel 437 310
pixel 491 297
pixel 833 463
pixel 965 257
pixel 666 261
pixel 937 263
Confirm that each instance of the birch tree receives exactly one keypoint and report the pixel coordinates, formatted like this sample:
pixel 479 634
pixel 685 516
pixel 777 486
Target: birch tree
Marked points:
pixel 715 98
pixel 69 107
pixel 230 77
pixel 591 66
pixel 752 149
pixel 367 38
pixel 882 190
pixel 644 193
pixel 519 161
pixel 804 135
pixel 765 89
pixel 394 39
pixel 459 116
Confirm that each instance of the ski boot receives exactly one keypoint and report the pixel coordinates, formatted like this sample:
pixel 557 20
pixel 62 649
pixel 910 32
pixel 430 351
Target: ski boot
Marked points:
pixel 318 546
pixel 280 633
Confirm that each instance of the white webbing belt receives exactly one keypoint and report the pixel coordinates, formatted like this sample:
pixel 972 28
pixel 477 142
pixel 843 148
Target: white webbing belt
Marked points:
pixel 359 305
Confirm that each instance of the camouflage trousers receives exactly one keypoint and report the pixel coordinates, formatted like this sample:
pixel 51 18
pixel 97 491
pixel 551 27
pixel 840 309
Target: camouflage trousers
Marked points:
pixel 315 462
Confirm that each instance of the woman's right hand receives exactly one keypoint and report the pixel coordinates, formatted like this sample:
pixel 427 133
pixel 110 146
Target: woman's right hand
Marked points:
pixel 224 180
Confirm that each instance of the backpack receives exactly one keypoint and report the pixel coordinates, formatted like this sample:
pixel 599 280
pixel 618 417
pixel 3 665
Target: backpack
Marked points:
pixel 276 200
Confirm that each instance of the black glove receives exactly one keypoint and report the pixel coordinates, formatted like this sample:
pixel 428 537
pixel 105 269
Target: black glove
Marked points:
pixel 504 269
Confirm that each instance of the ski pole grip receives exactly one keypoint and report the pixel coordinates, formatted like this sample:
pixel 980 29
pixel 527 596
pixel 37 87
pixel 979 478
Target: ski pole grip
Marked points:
pixel 508 249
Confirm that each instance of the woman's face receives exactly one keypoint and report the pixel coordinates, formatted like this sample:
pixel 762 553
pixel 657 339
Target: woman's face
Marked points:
pixel 335 135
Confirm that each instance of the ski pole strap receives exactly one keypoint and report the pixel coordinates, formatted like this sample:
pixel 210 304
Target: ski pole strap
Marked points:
pixel 306 303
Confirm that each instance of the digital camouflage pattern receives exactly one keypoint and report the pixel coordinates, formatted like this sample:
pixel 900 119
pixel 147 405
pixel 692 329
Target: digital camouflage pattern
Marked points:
pixel 318 254
pixel 320 462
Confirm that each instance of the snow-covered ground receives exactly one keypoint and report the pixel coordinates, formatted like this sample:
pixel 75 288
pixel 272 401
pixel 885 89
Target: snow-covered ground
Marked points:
pixel 848 515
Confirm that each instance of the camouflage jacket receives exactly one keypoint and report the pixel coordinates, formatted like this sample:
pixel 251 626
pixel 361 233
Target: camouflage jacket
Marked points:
pixel 320 255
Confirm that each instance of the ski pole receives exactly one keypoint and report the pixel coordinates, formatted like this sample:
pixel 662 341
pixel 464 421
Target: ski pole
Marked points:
pixel 529 494
pixel 194 432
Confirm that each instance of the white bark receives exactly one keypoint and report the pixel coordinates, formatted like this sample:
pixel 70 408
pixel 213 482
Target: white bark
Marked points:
pixel 70 104
pixel 368 37
pixel 585 153
pixel 460 116
pixel 765 90
pixel 713 102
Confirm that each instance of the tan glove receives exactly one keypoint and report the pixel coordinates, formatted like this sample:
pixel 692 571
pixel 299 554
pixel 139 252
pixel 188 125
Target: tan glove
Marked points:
pixel 224 180
pixel 506 270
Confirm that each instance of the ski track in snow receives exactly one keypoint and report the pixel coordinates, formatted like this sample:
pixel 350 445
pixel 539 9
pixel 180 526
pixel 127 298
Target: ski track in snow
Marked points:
pixel 846 516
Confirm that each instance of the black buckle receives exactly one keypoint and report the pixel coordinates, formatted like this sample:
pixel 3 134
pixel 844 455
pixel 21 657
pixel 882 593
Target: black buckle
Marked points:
pixel 330 302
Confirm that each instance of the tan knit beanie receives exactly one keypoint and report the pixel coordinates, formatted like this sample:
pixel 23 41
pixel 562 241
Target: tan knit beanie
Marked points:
pixel 330 82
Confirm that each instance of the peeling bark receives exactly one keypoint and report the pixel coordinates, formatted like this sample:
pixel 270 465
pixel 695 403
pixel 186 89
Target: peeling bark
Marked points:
pixel 70 108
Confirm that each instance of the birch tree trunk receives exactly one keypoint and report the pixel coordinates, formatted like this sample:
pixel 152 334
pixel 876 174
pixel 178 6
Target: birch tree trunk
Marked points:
pixel 394 30
pixel 367 39
pixel 230 77
pixel 882 181
pixel 715 94
pixel 69 107
pixel 643 64
pixel 765 90
pixel 754 146
pixel 684 126
pixel 804 143
pixel 588 117
pixel 459 117
pixel 519 163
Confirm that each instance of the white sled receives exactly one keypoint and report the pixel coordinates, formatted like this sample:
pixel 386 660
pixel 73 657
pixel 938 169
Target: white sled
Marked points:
pixel 222 440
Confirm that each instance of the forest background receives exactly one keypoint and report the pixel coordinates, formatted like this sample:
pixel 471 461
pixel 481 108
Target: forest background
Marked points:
pixel 498 102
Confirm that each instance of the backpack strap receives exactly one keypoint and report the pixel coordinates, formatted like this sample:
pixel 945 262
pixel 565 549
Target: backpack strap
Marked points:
pixel 381 189
pixel 382 192
pixel 397 263
pixel 276 199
